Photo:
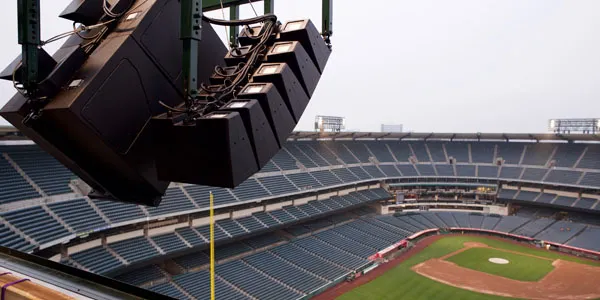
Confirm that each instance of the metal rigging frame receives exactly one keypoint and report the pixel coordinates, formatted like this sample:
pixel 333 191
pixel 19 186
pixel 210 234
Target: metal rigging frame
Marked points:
pixel 190 33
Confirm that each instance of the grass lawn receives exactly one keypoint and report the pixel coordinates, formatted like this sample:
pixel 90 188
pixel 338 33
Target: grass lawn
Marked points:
pixel 402 283
pixel 520 267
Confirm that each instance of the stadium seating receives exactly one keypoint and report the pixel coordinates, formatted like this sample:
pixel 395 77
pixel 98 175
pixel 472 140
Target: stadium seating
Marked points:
pixel 426 170
pixel 50 175
pixel 560 232
pixel 277 185
pixel 43 230
pixel 459 151
pixel 566 155
pixel 14 186
pixel 300 266
pixel 510 172
pixel 134 249
pixel 534 174
pixel 538 154
pixel 98 260
pixel 510 152
pixel 250 189
pixel 168 289
pixel 436 150
pixel 381 151
pixel 70 214
pixel 254 282
pixel 591 159
pixel 420 152
pixel 195 284
pixel 465 170
pixel 10 239
pixel 151 273
pixel 169 242
pixel 482 152
pixel 588 239
pixel 173 201
pixel 118 212
pixel 78 214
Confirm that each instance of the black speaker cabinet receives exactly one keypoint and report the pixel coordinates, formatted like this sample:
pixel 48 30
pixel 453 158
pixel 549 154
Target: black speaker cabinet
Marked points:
pixel 97 124
pixel 299 61
pixel 214 149
pixel 305 32
pixel 274 107
pixel 287 85
pixel 259 131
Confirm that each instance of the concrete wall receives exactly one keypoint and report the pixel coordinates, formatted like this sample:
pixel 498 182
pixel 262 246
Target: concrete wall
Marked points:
pixel 326 195
pixel 304 200
pixel 500 210
pixel 246 212
pixel 345 192
pixel 124 236
pixel 206 220
pixel 166 229
pixel 84 246
pixel 276 206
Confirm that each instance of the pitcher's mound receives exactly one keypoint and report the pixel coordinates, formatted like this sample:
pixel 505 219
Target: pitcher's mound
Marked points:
pixel 500 261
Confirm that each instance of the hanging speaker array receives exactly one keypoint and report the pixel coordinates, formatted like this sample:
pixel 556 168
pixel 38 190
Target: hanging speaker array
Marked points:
pixel 252 124
pixel 110 106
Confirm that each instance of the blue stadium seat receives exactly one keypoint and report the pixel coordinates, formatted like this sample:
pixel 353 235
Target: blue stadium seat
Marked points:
pixel 538 154
pixel 14 186
pixel 174 200
pixel 483 152
pixel 310 152
pixel 134 249
pixel 250 189
pixel 169 242
pixel 49 174
pixel 45 228
pixel 97 260
pixel 277 185
pixel 458 150
pixel 381 151
pixel 119 212
pixel 78 214
pixel 151 273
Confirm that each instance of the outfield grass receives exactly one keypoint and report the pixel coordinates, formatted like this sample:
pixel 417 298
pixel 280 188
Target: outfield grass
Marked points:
pixel 520 267
pixel 402 283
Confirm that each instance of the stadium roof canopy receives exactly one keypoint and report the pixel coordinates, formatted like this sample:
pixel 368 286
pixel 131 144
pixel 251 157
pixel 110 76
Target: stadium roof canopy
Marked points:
pixel 11 133
pixel 301 135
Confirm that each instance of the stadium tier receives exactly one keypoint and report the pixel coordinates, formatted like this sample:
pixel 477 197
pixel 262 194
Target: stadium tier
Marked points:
pixel 304 244
pixel 295 268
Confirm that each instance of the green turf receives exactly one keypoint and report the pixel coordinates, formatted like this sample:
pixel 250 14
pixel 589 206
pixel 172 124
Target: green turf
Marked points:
pixel 520 267
pixel 402 283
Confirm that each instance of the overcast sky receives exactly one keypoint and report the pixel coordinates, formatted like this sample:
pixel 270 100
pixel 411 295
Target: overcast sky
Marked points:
pixel 443 66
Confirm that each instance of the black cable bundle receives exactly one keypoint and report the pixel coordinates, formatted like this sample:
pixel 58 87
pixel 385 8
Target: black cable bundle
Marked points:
pixel 233 81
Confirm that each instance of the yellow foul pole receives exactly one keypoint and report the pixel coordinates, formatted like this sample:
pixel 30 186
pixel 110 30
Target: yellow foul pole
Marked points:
pixel 212 250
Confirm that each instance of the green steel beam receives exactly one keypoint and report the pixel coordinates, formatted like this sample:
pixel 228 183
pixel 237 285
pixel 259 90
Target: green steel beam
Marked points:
pixel 234 31
pixel 208 5
pixel 327 17
pixel 29 38
pixel 190 34
pixel 269 6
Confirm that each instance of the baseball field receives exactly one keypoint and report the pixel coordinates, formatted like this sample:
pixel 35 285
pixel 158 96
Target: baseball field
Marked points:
pixel 474 267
